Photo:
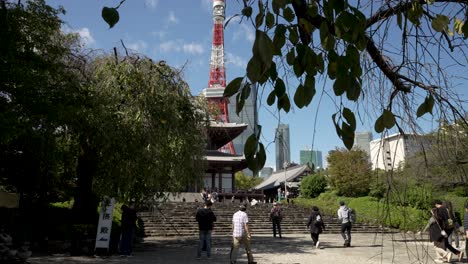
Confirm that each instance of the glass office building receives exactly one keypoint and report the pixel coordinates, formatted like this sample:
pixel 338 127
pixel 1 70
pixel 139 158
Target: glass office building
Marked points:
pixel 312 157
pixel 283 147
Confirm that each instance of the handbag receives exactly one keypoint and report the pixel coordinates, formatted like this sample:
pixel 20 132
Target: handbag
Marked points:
pixel 442 232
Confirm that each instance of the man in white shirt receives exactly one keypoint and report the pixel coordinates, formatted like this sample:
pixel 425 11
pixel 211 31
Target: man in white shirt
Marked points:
pixel 241 235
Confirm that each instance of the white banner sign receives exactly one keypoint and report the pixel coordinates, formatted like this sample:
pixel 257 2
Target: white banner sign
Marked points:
pixel 105 223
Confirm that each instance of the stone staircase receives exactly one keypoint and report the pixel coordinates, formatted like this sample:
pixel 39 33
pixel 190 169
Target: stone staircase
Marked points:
pixel 178 219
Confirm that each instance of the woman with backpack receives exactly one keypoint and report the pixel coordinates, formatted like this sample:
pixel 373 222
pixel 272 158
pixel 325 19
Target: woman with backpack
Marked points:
pixel 316 225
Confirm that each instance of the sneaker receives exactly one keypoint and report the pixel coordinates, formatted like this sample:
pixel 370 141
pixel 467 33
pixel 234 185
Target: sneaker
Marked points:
pixel 448 257
pixel 317 245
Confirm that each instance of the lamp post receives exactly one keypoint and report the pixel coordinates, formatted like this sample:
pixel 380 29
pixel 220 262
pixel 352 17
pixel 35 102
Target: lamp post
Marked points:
pixel 285 180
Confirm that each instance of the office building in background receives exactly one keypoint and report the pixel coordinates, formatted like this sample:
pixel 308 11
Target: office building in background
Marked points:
pixel 362 141
pixel 283 146
pixel 248 116
pixel 311 157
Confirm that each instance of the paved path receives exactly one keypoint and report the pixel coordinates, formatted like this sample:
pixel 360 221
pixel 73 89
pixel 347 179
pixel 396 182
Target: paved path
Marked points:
pixel 292 249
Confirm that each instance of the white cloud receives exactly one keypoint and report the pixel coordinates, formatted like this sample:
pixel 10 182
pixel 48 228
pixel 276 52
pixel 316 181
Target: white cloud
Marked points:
pixel 207 5
pixel 151 3
pixel 193 48
pixel 84 33
pixel 172 18
pixel 160 34
pixel 180 46
pixel 235 60
pixel 244 32
pixel 139 46
pixel 169 46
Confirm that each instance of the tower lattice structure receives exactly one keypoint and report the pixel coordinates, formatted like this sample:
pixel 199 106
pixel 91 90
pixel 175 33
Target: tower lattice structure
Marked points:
pixel 217 81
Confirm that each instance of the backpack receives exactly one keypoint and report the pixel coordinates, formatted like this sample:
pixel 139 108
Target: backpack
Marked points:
pixel 351 215
pixel 449 223
pixel 318 220
pixel 275 214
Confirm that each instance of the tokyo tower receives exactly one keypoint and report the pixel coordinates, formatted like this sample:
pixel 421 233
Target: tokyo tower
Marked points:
pixel 217 80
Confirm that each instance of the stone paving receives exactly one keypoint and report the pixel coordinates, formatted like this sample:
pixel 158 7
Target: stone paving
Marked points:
pixel 292 249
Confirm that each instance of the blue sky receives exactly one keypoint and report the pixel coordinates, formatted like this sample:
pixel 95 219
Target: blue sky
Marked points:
pixel 180 32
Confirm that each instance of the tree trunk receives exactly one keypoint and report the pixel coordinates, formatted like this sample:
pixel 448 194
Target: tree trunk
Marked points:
pixel 84 207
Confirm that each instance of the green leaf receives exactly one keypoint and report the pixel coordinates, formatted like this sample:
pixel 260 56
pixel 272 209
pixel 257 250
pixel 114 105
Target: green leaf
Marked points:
pixel 240 101
pixel 254 68
pixel 327 40
pixel 349 116
pixel 332 69
pixel 275 5
pixel 280 88
pixel 399 20
pixel 465 29
pixel 293 35
pixel 347 136
pixel 299 96
pixel 309 89
pixel 284 103
pixel 250 145
pixel 379 125
pixel 320 63
pixel 261 156
pixel 458 26
pixel 273 72
pixel 233 87
pixel 288 14
pixel 247 11
pixel 245 90
pixel 270 20
pixel 388 119
pixel 110 15
pixel 271 98
pixel 263 48
pixel 337 127
pixel 440 23
pixel 340 85
pixel 426 106
pixel 259 20
pixel 290 57
pixel 297 67
pixel 353 90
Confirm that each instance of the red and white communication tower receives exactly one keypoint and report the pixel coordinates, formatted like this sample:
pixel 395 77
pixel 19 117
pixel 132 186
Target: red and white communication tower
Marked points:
pixel 217 82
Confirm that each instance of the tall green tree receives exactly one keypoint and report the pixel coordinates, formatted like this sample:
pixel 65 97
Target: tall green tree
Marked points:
pixel 245 182
pixel 142 132
pixel 349 172
pixel 126 127
pixel 38 95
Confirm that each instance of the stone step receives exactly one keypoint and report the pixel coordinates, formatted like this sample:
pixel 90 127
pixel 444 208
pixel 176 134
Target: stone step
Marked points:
pixel 178 219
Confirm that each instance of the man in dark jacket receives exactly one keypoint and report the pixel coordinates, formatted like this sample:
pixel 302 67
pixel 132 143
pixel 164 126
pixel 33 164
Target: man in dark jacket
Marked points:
pixel 128 225
pixel 276 215
pixel 316 225
pixel 205 218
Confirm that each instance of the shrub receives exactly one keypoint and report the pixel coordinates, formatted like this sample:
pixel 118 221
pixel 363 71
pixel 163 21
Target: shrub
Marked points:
pixel 313 185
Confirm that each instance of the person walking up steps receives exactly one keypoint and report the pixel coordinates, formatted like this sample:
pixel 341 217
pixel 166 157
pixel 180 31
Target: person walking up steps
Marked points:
pixel 205 218
pixel 316 225
pixel 346 217
pixel 465 225
pixel 276 215
pixel 241 235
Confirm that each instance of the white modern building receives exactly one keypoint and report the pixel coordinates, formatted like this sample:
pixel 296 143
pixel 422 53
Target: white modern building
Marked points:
pixel 390 152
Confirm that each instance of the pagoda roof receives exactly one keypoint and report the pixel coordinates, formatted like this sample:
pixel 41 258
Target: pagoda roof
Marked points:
pixel 219 133
pixel 224 162
pixel 279 177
